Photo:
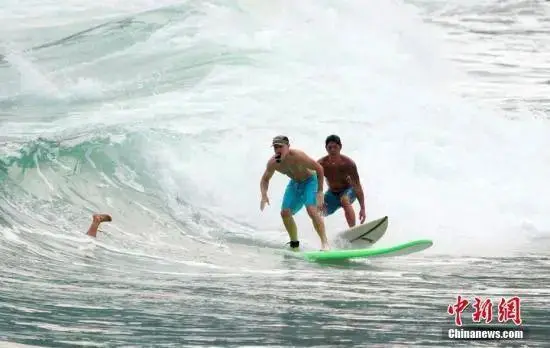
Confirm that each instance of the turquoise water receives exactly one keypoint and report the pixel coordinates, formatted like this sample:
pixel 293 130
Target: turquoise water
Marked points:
pixel 161 115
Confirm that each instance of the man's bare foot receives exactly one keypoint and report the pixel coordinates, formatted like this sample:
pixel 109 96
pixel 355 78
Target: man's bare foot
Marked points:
pixel 325 247
pixel 99 218
pixel 96 220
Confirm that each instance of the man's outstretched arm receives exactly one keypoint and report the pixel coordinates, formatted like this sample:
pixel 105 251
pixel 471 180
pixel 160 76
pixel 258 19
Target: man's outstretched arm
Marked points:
pixel 264 181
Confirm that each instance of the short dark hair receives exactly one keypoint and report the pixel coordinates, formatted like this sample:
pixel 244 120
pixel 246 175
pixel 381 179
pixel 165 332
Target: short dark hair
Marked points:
pixel 333 138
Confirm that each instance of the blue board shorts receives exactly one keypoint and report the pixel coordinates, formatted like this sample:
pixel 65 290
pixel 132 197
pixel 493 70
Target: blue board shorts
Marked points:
pixel 332 199
pixel 300 193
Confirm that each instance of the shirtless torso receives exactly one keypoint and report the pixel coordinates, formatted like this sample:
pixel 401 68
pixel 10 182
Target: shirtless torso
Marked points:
pixel 308 192
pixel 340 172
pixel 293 166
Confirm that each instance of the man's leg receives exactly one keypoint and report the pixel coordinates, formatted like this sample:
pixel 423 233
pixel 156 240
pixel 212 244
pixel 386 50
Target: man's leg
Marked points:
pixel 96 220
pixel 290 206
pixel 318 224
pixel 310 196
pixel 346 200
pixel 290 225
pixel 332 202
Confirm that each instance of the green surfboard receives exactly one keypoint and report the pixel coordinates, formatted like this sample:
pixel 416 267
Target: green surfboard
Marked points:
pixel 344 254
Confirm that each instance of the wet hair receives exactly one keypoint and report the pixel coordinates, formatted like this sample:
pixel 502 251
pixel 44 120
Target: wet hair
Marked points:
pixel 333 138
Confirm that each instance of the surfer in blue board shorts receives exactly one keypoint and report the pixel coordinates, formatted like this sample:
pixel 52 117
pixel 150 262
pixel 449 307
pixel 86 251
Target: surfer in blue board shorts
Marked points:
pixel 303 189
pixel 344 186
pixel 97 219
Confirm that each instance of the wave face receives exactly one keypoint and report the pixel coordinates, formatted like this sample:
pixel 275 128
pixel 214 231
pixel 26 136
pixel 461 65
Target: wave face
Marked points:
pixel 161 115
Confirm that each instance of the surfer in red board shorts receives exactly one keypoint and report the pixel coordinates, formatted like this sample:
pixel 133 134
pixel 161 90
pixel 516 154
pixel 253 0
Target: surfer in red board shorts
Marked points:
pixel 343 182
pixel 97 219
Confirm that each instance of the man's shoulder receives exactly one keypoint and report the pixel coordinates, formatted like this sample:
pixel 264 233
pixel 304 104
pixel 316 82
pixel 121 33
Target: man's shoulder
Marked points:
pixel 322 159
pixel 347 160
pixel 297 153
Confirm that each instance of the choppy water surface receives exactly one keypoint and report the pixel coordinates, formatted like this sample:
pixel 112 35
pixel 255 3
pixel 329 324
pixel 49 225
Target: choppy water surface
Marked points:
pixel 161 115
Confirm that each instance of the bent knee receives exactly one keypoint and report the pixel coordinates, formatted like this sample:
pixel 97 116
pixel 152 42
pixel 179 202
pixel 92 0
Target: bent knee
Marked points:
pixel 345 201
pixel 286 213
pixel 312 210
